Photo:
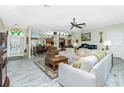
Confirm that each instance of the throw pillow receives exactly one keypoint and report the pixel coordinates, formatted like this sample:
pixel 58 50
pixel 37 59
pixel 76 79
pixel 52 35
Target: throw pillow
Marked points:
pixel 105 52
pixel 76 64
pixel 98 57
pixel 100 54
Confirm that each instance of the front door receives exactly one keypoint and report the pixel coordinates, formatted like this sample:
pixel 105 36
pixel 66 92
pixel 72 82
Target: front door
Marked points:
pixel 15 46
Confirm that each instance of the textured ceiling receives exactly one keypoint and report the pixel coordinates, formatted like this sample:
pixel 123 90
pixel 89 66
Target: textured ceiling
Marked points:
pixel 58 18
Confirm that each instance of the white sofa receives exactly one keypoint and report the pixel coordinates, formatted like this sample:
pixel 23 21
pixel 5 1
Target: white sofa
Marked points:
pixel 69 53
pixel 69 76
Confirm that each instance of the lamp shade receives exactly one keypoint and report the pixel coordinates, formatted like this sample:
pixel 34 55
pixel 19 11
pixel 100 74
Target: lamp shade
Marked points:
pixel 107 43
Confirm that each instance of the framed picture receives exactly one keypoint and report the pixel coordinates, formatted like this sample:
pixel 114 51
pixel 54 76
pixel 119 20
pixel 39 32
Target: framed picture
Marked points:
pixel 85 36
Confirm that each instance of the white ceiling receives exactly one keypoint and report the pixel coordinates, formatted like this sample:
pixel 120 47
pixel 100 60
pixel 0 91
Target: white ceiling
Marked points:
pixel 58 18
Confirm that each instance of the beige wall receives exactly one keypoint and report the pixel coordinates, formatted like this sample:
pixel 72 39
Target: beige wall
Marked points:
pixel 114 33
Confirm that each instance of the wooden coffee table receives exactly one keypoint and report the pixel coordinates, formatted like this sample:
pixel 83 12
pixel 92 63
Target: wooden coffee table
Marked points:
pixel 53 62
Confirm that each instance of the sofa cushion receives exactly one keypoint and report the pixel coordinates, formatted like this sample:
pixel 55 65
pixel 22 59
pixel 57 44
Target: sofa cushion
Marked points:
pixel 76 64
pixel 84 52
pixel 81 53
pixel 99 57
pixel 88 62
pixel 71 50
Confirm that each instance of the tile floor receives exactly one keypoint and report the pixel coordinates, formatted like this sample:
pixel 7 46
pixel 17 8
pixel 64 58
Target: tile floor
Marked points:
pixel 24 73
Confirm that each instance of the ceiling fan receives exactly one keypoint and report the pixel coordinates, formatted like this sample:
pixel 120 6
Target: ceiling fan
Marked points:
pixel 78 25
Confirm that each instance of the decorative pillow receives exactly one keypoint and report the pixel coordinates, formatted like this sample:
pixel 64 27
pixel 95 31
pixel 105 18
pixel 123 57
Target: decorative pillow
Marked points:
pixel 104 52
pixel 99 57
pixel 100 54
pixel 88 62
pixel 76 64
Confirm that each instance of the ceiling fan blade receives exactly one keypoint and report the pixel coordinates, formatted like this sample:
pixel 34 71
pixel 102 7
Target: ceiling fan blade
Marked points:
pixel 72 27
pixel 72 24
pixel 82 24
pixel 78 26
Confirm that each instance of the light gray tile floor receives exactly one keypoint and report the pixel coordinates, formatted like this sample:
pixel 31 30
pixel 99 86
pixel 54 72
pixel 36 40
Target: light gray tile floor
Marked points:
pixel 23 72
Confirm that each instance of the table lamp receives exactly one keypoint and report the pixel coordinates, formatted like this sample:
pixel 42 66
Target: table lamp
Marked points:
pixel 107 43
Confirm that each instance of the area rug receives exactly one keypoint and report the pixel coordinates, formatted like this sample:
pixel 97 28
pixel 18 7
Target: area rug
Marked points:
pixel 48 71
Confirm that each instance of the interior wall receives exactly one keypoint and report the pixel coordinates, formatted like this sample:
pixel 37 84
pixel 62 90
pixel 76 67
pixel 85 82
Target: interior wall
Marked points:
pixel 28 41
pixel 114 33
pixel 1 25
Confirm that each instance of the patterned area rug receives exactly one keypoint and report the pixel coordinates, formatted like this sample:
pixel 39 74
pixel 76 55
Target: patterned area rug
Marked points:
pixel 48 71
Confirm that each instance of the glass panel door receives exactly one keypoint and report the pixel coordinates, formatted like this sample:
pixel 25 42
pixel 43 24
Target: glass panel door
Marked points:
pixel 13 46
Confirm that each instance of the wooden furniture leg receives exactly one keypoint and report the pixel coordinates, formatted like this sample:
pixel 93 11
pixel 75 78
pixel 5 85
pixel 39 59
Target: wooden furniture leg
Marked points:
pixel 54 67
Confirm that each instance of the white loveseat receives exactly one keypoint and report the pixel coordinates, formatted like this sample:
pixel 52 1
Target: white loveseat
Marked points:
pixel 69 76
